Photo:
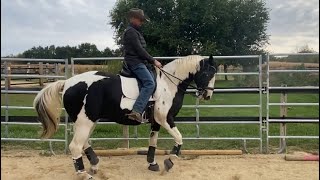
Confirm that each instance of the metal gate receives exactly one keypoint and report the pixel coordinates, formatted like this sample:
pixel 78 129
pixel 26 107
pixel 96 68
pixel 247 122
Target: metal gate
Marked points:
pixel 278 89
pixel 7 75
pixel 263 126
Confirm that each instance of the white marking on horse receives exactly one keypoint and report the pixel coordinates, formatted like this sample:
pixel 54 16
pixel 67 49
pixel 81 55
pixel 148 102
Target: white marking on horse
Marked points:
pixel 182 67
pixel 82 129
pixel 211 85
pixel 87 77
pixel 153 138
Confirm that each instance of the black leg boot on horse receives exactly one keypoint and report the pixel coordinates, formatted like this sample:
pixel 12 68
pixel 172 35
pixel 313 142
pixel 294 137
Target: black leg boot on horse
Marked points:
pixel 153 165
pixel 93 159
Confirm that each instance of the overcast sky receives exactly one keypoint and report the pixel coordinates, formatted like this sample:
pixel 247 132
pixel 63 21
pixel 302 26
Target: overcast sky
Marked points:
pixel 28 23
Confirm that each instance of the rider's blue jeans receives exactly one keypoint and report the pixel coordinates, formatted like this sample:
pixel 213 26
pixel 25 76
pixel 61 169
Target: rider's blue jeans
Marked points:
pixel 147 83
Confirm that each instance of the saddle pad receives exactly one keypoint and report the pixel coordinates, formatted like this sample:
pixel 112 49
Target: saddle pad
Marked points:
pixel 126 103
pixel 130 88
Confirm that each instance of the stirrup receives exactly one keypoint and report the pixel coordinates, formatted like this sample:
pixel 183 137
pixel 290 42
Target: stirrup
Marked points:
pixel 144 117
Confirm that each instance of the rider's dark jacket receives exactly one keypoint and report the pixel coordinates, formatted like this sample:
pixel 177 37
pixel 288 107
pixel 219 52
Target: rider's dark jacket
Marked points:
pixel 134 47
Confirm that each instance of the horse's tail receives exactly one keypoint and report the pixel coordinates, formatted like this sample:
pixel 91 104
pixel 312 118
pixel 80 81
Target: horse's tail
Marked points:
pixel 48 106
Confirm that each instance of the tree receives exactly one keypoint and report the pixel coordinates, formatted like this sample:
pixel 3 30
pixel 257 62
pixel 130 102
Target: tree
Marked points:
pixel 305 49
pixel 183 27
pixel 62 52
pixel 117 52
pixel 107 52
pixel 311 58
pixel 305 59
pixel 88 50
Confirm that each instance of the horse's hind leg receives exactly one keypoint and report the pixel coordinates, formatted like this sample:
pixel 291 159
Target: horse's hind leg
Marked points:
pixel 91 155
pixel 82 128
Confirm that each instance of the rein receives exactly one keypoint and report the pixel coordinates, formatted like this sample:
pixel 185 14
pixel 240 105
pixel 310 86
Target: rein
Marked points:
pixel 199 92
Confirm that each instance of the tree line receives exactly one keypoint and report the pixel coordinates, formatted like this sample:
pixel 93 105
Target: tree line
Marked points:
pixel 301 59
pixel 61 52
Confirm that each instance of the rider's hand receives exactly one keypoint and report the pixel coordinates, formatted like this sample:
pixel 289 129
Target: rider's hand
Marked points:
pixel 157 63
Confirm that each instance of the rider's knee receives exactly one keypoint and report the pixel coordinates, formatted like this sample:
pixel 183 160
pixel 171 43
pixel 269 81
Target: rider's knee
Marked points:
pixel 151 84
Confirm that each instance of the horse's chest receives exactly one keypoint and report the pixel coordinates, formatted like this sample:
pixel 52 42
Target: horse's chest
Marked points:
pixel 174 103
pixel 165 103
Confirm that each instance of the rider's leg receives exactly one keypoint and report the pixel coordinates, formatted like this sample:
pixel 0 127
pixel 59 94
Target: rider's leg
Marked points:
pixel 147 87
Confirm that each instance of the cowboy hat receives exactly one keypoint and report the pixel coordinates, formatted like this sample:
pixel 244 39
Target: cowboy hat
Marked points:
pixel 138 13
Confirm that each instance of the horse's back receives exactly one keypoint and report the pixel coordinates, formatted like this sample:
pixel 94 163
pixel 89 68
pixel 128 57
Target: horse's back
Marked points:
pixel 87 77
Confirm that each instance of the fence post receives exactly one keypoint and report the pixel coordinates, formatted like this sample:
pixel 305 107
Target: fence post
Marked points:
pixel 47 71
pixel 8 73
pixel 72 67
pixel 283 126
pixel 197 116
pixel 41 73
pixel 260 104
pixel 56 70
pixel 66 136
pixel 125 130
pixel 6 96
pixel 28 70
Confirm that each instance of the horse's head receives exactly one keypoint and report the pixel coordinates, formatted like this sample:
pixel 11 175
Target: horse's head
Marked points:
pixel 205 77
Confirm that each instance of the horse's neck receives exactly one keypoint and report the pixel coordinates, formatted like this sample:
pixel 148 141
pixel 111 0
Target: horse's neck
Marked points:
pixel 180 70
pixel 183 70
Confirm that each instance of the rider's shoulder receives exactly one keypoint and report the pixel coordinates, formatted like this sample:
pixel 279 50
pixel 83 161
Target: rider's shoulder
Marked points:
pixel 130 29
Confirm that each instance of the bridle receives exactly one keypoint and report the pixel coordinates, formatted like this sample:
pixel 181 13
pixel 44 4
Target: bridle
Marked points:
pixel 200 90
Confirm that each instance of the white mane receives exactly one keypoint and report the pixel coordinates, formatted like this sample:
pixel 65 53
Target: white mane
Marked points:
pixel 182 67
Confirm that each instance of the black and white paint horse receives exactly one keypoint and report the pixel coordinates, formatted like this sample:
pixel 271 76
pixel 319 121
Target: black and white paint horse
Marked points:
pixel 93 95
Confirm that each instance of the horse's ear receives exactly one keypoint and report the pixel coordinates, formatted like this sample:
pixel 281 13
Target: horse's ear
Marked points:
pixel 211 59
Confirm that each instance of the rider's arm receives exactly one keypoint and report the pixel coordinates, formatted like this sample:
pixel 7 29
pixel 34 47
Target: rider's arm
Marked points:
pixel 134 40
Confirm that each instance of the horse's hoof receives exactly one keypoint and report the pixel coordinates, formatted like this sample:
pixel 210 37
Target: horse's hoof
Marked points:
pixel 154 167
pixel 93 170
pixel 85 176
pixel 168 164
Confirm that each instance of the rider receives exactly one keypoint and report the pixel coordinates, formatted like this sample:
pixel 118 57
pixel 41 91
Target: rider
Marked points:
pixel 135 56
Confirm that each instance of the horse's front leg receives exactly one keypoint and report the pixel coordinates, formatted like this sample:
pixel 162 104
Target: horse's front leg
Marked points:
pixel 169 125
pixel 153 165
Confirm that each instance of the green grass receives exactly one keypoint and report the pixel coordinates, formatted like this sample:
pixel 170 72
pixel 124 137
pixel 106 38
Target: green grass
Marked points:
pixel 215 130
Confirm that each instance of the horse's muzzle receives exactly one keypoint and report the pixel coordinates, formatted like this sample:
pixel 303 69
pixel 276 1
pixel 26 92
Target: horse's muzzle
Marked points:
pixel 206 96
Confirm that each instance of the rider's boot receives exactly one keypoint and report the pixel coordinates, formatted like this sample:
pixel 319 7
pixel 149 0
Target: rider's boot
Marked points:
pixel 135 116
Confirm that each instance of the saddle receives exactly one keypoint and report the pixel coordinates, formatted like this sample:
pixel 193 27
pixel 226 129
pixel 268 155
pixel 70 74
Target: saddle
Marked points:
pixel 130 91
pixel 126 72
